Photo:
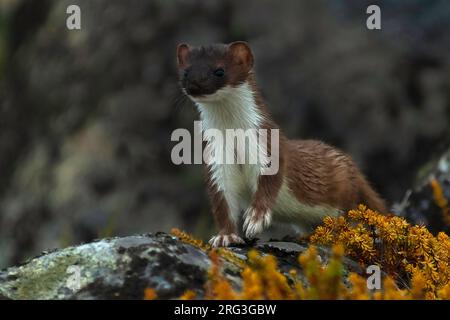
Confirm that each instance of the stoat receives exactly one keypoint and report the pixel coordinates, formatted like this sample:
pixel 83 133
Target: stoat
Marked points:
pixel 313 179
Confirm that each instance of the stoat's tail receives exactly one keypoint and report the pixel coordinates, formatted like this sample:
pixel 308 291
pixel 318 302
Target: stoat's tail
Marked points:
pixel 370 198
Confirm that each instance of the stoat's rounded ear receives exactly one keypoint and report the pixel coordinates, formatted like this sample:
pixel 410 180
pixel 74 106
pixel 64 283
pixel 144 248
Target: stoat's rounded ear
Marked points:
pixel 242 54
pixel 182 54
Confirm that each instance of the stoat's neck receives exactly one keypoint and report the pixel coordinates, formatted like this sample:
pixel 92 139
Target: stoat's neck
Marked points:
pixel 231 108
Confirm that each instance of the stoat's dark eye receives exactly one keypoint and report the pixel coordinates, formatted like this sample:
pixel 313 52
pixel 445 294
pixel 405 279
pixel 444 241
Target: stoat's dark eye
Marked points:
pixel 219 72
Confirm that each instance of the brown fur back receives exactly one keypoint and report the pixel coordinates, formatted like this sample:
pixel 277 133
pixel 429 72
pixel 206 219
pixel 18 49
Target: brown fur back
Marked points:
pixel 320 174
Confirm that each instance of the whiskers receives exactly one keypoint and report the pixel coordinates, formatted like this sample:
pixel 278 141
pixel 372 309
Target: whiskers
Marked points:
pixel 179 101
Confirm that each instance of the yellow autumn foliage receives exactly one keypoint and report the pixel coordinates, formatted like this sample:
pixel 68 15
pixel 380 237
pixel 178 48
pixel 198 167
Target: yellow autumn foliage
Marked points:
pixel 404 252
pixel 401 250
pixel 440 200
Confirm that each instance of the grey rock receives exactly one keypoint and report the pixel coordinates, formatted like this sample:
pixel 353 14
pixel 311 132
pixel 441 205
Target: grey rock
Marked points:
pixel 419 205
pixel 118 268
pixel 122 268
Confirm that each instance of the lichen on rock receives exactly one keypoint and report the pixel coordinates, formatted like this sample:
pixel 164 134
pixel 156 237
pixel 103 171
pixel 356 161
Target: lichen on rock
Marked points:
pixel 123 268
pixel 109 268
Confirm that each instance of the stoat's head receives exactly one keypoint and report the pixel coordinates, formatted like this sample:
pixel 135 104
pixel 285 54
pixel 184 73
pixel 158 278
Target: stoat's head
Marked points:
pixel 207 72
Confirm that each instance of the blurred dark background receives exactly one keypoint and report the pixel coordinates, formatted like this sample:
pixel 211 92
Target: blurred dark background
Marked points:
pixel 86 116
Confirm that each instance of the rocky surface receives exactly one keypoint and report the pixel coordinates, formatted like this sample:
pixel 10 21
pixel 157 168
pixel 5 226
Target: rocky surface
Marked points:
pixel 420 205
pixel 122 268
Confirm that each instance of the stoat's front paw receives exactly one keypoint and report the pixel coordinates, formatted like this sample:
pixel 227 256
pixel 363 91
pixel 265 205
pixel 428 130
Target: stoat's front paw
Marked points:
pixel 255 221
pixel 225 240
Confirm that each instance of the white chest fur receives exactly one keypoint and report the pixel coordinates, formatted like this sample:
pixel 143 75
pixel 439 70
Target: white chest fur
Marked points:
pixel 232 108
